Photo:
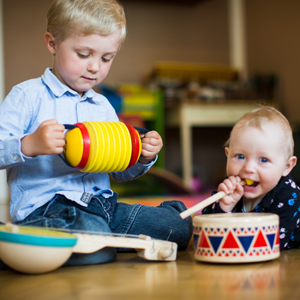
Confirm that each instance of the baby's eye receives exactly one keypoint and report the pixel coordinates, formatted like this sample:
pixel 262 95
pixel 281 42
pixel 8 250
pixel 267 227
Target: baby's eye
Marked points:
pixel 240 156
pixel 83 55
pixel 263 160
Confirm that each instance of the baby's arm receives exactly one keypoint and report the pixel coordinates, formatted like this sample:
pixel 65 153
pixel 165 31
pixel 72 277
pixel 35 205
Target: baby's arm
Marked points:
pixel 151 145
pixel 233 190
pixel 48 139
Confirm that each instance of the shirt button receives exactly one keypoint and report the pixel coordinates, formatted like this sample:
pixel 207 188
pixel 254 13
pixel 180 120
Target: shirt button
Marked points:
pixel 15 157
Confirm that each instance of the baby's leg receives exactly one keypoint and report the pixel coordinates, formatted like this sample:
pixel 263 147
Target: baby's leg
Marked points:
pixel 161 222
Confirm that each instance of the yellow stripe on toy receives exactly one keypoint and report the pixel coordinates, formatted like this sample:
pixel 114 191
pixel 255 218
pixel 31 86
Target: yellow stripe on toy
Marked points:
pixel 102 146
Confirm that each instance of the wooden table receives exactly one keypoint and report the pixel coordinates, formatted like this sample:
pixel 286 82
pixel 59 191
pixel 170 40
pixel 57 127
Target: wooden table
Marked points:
pixel 213 114
pixel 131 277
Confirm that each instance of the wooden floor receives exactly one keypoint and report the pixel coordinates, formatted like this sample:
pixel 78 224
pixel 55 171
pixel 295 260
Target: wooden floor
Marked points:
pixel 131 277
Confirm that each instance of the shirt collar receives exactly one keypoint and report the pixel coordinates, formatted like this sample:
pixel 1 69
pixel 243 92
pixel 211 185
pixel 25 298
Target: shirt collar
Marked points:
pixel 59 89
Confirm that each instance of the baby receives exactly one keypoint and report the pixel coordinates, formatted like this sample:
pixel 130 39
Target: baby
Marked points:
pixel 260 151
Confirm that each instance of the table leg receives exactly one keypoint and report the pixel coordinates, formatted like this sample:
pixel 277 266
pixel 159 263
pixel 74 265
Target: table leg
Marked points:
pixel 186 148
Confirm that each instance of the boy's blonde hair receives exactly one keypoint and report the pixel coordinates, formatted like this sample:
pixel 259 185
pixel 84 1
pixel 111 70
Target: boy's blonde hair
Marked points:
pixel 262 114
pixel 85 17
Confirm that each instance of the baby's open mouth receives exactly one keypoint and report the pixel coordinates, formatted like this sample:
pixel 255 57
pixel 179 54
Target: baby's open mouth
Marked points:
pixel 250 182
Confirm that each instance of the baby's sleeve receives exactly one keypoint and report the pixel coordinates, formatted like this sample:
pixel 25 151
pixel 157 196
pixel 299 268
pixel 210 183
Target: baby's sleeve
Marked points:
pixel 286 204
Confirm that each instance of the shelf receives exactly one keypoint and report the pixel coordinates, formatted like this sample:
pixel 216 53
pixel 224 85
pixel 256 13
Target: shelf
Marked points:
pixel 192 71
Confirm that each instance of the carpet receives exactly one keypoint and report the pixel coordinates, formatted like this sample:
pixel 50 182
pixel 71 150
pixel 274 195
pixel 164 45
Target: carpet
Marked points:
pixel 188 200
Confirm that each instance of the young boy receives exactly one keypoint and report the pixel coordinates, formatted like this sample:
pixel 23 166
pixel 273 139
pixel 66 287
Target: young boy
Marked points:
pixel 260 148
pixel 83 36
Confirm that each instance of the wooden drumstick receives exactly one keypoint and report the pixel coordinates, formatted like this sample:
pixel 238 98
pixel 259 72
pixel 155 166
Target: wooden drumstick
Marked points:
pixel 209 201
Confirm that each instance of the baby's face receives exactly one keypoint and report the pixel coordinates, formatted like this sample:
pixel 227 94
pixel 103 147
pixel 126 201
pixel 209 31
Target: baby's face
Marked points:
pixel 82 62
pixel 259 155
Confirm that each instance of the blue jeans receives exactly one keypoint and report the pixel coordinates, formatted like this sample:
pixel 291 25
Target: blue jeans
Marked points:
pixel 107 215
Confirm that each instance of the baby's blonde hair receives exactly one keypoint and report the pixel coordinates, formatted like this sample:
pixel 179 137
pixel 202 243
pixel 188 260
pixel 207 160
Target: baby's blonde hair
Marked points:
pixel 262 114
pixel 85 17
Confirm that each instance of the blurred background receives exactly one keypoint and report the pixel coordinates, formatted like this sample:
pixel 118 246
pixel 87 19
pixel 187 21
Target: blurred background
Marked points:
pixel 209 56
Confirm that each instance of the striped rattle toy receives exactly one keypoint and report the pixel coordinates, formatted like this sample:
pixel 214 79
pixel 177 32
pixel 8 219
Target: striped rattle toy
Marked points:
pixel 102 146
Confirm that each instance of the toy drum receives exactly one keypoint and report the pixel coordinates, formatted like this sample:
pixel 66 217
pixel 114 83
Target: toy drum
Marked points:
pixel 236 238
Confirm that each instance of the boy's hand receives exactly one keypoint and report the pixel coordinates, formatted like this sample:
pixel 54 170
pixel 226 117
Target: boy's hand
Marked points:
pixel 48 139
pixel 151 145
pixel 234 191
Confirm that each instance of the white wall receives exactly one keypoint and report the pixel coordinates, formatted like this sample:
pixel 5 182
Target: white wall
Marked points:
pixel 157 31
pixel 237 36
pixel 3 184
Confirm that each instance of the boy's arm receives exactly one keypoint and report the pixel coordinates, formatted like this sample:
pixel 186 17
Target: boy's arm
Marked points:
pixel 15 118
pixel 18 140
pixel 48 139
pixel 151 145
pixel 135 171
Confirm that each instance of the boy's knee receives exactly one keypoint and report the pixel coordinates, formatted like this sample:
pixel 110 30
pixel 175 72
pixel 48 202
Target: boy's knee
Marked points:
pixel 181 230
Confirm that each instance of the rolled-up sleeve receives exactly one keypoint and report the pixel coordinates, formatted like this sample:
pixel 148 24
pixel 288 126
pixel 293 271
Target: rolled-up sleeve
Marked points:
pixel 13 124
pixel 135 171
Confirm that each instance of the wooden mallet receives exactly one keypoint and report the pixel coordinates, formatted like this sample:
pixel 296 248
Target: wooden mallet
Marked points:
pixel 209 201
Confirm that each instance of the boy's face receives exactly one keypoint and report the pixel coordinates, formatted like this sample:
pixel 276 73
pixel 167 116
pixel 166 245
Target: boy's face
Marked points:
pixel 82 62
pixel 259 155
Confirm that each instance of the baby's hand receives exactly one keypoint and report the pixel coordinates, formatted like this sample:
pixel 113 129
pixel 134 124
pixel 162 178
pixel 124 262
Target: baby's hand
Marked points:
pixel 151 145
pixel 48 139
pixel 234 191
